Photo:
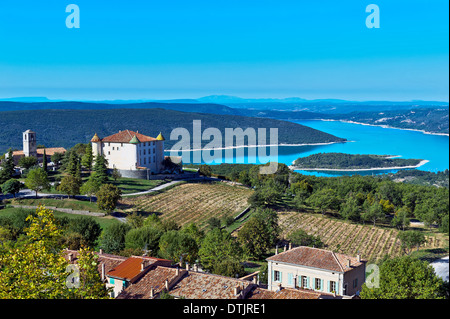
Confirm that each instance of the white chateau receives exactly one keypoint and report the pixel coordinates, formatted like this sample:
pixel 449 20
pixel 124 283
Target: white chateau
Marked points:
pixel 131 151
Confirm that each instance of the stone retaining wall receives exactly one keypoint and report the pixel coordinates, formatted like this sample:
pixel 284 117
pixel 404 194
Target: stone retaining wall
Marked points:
pixel 64 210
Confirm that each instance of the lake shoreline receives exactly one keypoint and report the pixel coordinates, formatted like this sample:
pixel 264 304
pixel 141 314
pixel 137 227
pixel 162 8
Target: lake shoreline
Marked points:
pixel 295 168
pixel 383 126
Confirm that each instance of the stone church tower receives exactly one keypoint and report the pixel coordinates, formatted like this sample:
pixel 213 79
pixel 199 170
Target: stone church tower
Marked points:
pixel 29 143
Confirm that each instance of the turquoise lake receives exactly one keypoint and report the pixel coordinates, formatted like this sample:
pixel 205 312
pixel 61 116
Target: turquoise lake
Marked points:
pixel 362 139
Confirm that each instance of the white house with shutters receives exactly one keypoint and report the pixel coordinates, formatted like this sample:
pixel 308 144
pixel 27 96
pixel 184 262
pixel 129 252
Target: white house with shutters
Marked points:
pixel 316 269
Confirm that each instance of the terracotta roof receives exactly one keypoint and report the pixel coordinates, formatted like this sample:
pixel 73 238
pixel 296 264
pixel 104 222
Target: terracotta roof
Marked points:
pixel 110 261
pixel 126 136
pixel 40 151
pixel 95 138
pixel 198 285
pixel 155 279
pixel 285 293
pixel 317 258
pixel 131 268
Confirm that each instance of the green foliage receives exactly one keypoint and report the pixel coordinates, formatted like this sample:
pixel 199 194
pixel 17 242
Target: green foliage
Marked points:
pixel 88 228
pixel 411 239
pixel 405 278
pixel 11 186
pixel 176 245
pixel 88 157
pixel 145 238
pixel 301 238
pixel 205 170
pixel 28 162
pixel 217 246
pixel 37 180
pixel 100 169
pixel 7 168
pixel 112 239
pixel 107 197
pixel 70 185
pixel 90 188
pixel 229 268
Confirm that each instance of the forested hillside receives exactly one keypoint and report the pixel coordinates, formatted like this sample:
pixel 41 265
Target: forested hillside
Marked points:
pixel 351 161
pixel 68 127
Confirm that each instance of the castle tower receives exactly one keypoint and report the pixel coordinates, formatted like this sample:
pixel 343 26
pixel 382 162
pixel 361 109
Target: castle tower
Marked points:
pixel 29 143
pixel 96 145
pixel 159 151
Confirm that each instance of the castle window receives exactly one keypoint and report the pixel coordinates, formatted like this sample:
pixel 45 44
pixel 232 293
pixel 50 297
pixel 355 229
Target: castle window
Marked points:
pixel 145 162
pixel 154 159
pixel 113 148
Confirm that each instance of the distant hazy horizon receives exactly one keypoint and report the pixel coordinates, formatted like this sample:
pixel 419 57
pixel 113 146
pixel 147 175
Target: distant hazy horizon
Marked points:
pixel 189 49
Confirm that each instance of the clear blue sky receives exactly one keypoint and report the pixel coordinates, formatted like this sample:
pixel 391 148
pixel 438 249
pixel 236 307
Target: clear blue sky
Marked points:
pixel 249 48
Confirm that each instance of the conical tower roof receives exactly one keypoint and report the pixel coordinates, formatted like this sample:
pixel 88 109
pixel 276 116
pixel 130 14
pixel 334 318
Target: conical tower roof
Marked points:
pixel 95 138
pixel 160 137
pixel 134 140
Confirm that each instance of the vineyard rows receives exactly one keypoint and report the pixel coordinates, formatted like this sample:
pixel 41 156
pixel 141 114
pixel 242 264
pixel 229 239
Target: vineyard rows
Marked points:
pixel 340 236
pixel 194 202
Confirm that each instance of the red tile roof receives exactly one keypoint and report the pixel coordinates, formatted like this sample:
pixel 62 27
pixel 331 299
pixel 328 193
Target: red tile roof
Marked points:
pixel 126 136
pixel 285 293
pixel 317 258
pixel 131 268
pixel 198 285
pixel 155 279
pixel 40 151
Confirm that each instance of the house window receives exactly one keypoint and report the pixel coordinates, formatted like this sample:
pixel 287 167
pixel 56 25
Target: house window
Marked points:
pixel 276 276
pixel 318 284
pixel 113 148
pixel 109 153
pixel 355 283
pixel 304 282
pixel 111 281
pixel 332 286
pixel 145 161
pixel 154 151
pixel 154 159
pixel 144 152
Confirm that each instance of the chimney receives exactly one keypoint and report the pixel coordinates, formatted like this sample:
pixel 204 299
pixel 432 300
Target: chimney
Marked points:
pixel 290 246
pixel 103 271
pixel 166 284
pixel 100 251
pixel 195 267
pixel 71 257
pixel 284 247
pixel 236 290
pixel 187 266
pixel 276 250
pixel 177 271
pixel 143 265
pixel 348 263
pixel 358 258
pixel 152 292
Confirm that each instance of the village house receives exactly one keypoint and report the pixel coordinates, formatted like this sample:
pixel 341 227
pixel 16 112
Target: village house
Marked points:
pixel 316 269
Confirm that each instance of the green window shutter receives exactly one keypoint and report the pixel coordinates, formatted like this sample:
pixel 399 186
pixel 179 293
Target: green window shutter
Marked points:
pixel 329 286
pixel 337 287
pixel 281 280
pixel 321 285
pixel 273 275
pixel 290 279
pixel 307 282
pixel 111 281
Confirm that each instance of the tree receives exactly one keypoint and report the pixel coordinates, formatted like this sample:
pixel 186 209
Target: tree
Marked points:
pixel 70 185
pixel 37 269
pixel 44 161
pixel 244 179
pixel 37 180
pixel 112 239
pixel 205 170
pixel 27 162
pixel 214 222
pixel 325 198
pixel 301 238
pixel 229 268
pixel 411 239
pixel 107 197
pixel 88 228
pixel 217 246
pixel 11 186
pixel 7 167
pixel 253 238
pixel 90 188
pixel 401 219
pixel 88 157
pixel 175 245
pixel 374 212
pixel 56 158
pixel 100 169
pixel 73 164
pixel 144 238
pixel 116 174
pixel 350 209
pixel 405 278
